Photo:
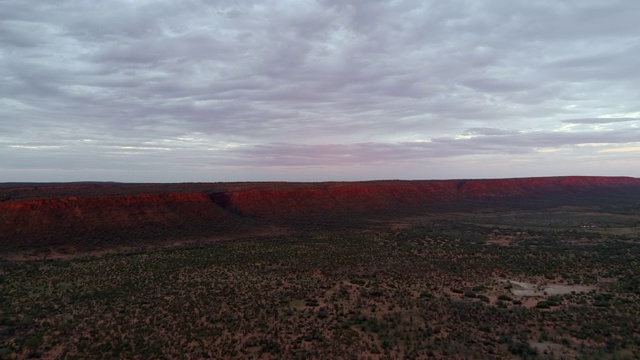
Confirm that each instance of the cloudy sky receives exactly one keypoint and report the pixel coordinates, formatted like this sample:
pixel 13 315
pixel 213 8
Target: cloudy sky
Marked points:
pixel 310 90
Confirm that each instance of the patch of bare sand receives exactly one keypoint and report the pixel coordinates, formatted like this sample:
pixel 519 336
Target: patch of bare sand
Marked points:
pixel 501 240
pixel 525 289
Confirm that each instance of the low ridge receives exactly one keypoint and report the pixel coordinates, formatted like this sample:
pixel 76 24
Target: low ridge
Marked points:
pixel 108 214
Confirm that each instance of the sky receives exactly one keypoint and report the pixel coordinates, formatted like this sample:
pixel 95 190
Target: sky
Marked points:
pixel 207 91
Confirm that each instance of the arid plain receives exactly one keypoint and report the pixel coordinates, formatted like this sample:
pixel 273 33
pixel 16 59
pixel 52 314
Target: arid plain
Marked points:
pixel 510 268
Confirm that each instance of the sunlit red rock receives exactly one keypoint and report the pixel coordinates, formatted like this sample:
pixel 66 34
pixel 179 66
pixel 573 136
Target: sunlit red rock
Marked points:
pixel 126 213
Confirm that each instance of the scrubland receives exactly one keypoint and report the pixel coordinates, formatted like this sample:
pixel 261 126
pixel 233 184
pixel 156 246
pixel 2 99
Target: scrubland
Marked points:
pixel 433 287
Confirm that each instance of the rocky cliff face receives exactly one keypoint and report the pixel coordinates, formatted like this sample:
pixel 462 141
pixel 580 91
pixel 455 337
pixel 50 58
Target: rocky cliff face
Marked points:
pixel 49 216
pixel 118 219
pixel 338 200
pixel 391 198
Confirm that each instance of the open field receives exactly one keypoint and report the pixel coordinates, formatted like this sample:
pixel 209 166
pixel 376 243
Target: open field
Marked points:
pixel 445 287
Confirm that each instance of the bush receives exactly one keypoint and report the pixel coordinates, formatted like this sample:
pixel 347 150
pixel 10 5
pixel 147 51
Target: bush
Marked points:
pixel 543 305
pixel 34 342
pixel 469 294
pixel 601 303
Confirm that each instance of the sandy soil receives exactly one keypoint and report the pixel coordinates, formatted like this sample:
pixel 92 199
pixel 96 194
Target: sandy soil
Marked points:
pixel 526 289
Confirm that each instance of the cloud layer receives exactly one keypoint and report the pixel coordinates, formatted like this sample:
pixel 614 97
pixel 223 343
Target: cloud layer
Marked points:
pixel 317 90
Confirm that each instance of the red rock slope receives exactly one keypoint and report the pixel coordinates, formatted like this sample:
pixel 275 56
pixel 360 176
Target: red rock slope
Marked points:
pixel 389 198
pixel 108 214
pixel 119 220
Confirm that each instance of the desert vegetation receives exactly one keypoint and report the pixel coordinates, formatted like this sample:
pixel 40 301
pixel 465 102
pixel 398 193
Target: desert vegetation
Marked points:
pixel 441 287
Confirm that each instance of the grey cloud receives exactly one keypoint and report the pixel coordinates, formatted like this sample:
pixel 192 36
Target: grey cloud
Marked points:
pixel 543 139
pixel 318 72
pixel 494 143
pixel 599 120
pixel 493 86
pixel 489 131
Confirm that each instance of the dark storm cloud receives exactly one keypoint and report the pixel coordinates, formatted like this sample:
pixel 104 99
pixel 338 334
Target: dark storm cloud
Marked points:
pixel 135 82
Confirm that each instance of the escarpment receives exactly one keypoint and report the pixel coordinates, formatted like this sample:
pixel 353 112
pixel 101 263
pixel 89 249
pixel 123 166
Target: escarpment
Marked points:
pixel 34 216
pixel 123 219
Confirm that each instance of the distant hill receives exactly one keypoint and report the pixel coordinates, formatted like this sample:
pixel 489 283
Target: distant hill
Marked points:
pixel 98 215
